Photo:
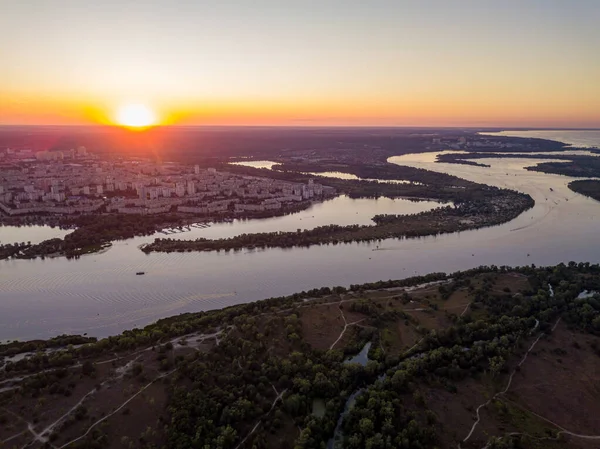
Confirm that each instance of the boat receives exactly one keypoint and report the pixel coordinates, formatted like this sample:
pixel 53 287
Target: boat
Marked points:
pixel 140 273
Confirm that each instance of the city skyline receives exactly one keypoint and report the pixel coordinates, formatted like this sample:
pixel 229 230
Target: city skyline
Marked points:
pixel 403 63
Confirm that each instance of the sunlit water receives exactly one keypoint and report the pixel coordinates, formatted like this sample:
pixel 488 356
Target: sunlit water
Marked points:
pixel 342 175
pixel 33 234
pixel 570 137
pixel 340 210
pixel 326 174
pixel 256 164
pixel 102 295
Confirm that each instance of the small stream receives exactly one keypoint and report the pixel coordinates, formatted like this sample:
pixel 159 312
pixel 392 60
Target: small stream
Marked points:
pixel 338 437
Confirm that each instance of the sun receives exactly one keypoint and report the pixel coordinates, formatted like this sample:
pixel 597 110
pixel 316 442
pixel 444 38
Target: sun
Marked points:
pixel 136 116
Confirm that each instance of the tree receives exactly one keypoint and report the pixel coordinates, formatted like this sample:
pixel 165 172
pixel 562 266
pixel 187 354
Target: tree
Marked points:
pixel 88 368
pixel 366 426
pixel 496 364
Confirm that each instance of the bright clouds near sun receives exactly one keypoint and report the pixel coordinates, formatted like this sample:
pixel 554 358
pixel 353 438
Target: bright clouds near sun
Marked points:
pixel 136 116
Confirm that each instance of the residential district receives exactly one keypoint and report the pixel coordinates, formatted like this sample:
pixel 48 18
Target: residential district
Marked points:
pixel 76 182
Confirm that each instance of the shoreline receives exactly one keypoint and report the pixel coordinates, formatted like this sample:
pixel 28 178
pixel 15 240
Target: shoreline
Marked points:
pixel 435 222
pixel 313 295
pixel 517 130
pixel 438 334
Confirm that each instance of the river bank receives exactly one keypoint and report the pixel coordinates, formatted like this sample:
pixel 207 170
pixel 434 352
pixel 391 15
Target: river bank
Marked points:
pixel 33 291
pixel 466 216
pixel 476 206
pixel 93 233
pixel 431 345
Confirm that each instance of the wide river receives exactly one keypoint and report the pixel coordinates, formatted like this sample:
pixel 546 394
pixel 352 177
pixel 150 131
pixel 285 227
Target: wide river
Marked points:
pixel 101 295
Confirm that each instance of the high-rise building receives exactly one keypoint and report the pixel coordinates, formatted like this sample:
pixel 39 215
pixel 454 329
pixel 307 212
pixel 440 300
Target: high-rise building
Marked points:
pixel 191 188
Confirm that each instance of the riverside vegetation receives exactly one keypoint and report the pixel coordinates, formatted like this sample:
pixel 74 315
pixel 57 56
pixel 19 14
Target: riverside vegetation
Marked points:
pixel 455 361
pixel 475 206
pixel 587 187
pixel 574 165
pixel 96 231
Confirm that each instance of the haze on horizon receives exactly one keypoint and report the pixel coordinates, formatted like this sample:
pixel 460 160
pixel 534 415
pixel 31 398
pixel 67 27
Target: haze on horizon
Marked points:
pixel 530 63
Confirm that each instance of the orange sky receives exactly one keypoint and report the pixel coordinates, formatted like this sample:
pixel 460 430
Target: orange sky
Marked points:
pixel 403 63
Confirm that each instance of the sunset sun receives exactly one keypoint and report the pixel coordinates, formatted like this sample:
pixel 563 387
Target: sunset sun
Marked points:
pixel 136 116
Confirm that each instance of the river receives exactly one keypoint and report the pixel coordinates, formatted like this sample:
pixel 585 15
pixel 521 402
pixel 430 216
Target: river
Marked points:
pixel 576 138
pixel 100 293
pixel 340 210
pixel 33 234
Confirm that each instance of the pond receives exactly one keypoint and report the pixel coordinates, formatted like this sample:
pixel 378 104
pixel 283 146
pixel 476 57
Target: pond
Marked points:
pixel 362 357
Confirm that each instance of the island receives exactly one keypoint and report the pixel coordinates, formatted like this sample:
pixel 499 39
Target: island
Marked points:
pixel 574 165
pixel 587 187
pixel 104 198
pixel 474 206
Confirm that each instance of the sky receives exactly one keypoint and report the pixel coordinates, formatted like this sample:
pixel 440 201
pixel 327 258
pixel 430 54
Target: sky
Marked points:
pixel 526 63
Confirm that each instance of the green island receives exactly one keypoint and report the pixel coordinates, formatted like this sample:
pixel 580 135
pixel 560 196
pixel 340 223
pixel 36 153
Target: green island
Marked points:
pixel 95 232
pixel 587 187
pixel 475 206
pixel 475 358
pixel 578 166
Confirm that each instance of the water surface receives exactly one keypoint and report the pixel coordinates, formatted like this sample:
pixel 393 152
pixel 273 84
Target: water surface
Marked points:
pixel 33 234
pixel 575 138
pixel 340 210
pixel 101 294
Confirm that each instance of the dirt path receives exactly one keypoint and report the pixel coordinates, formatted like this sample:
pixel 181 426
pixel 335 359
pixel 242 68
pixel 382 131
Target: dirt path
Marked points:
pixel 175 342
pixel 466 308
pixel 119 374
pixel 30 429
pixel 485 404
pixel 562 429
pixel 13 437
pixel 49 370
pixel 278 398
pixel 346 324
pixel 118 409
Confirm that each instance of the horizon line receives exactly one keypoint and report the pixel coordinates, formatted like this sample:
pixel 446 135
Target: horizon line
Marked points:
pixel 470 127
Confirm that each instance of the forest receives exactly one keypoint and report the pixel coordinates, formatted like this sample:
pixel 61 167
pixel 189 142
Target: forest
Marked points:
pixel 463 216
pixel 275 373
pixel 90 234
pixel 587 187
